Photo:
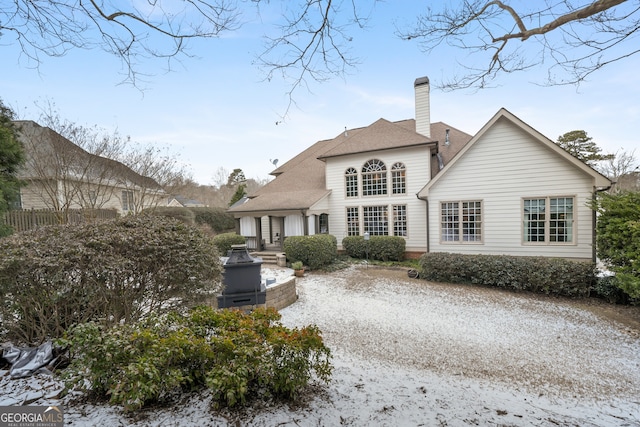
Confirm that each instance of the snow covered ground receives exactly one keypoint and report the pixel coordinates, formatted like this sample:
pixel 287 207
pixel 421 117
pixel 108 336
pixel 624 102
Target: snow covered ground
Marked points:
pixel 412 353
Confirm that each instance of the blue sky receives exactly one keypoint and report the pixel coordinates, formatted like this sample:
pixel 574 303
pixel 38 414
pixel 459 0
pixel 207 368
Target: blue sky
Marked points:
pixel 216 109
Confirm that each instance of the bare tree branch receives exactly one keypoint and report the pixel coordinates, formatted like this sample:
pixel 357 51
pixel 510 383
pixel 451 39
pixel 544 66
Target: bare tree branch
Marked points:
pixel 130 32
pixel 313 43
pixel 575 38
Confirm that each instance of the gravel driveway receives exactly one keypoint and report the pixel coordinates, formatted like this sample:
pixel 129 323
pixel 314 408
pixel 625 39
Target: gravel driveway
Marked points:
pixel 412 353
pixel 477 356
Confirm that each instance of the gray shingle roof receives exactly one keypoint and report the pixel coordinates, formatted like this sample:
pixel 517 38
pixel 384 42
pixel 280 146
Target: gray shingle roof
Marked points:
pixel 300 182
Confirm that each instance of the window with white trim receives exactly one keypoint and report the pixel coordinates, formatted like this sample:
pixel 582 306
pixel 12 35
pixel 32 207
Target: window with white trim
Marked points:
pixel 353 222
pixel 375 220
pixel 548 220
pixel 374 178
pixel 400 220
pixel 461 221
pixel 398 178
pixel 323 223
pixel 127 201
pixel 351 182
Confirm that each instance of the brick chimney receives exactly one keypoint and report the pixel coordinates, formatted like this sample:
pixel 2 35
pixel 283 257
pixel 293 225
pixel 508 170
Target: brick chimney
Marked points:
pixel 423 112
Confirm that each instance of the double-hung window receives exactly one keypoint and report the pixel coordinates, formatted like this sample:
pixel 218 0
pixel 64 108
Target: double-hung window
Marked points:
pixel 461 221
pixel 374 178
pixel 375 220
pixel 353 221
pixel 398 178
pixel 127 201
pixel 400 220
pixel 351 182
pixel 548 220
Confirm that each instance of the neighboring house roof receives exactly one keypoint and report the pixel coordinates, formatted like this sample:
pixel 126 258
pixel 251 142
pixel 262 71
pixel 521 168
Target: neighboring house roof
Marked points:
pixel 600 180
pixel 41 143
pixel 186 202
pixel 300 183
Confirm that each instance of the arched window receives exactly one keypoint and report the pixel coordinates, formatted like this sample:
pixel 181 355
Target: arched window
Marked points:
pixel 398 178
pixel 374 178
pixel 351 182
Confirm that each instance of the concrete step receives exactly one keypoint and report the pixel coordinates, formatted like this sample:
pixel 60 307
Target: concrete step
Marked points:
pixel 268 257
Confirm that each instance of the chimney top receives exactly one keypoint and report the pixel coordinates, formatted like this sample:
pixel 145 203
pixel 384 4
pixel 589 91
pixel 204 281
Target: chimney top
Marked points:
pixel 421 81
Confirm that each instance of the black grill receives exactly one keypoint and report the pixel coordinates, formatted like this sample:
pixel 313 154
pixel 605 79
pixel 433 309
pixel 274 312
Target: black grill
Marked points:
pixel 241 279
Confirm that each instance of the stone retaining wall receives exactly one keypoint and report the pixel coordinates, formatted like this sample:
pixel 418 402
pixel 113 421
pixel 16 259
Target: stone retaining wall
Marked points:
pixel 281 295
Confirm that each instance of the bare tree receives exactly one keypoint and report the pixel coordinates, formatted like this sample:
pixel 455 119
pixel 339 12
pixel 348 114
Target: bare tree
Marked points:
pixel 61 175
pixel 617 168
pixel 155 168
pixel 574 38
pixel 131 31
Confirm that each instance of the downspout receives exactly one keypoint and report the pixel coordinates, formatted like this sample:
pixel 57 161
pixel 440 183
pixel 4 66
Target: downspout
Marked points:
pixel 426 203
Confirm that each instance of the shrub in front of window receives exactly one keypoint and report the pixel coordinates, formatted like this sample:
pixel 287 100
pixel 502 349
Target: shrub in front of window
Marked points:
pixel 314 251
pixel 224 242
pixel 536 274
pixel 113 271
pixel 237 356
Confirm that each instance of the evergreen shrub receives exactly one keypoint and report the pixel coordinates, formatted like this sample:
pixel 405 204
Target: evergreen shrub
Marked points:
pixel 314 251
pixel 224 242
pixel 113 271
pixel 382 248
pixel 537 274
pixel 237 356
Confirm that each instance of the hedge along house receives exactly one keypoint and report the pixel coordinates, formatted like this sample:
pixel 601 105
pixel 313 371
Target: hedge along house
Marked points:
pixel 506 190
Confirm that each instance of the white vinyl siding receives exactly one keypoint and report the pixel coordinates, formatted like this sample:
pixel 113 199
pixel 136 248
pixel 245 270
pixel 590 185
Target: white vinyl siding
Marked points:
pixel 505 166
pixel 417 173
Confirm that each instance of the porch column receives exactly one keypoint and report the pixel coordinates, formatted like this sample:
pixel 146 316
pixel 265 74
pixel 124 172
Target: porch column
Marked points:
pixel 258 234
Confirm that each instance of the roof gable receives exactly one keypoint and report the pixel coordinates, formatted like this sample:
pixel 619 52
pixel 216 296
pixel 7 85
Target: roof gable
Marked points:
pixel 380 135
pixel 503 114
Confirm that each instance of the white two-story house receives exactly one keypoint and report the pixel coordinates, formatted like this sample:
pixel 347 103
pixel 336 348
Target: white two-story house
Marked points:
pixel 506 190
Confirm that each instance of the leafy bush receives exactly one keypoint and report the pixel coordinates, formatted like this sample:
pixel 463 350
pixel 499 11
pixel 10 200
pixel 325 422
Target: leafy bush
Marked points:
pixel 217 218
pixel 383 248
pixel 224 241
pixel 536 274
pixel 55 277
pixel 238 356
pixel 607 288
pixel 181 214
pixel 618 238
pixel 315 251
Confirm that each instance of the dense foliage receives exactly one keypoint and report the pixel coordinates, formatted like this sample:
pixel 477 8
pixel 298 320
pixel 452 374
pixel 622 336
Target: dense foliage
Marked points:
pixel 537 274
pixel 618 238
pixel 224 241
pixel 237 356
pixel 383 248
pixel 116 271
pixel 217 219
pixel 184 215
pixel 11 159
pixel 314 251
